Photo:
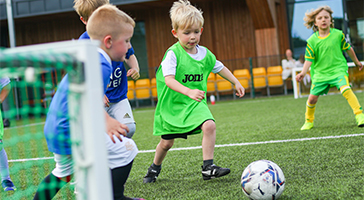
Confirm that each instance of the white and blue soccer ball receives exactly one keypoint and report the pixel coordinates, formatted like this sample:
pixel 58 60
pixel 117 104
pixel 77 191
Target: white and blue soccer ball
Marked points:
pixel 263 180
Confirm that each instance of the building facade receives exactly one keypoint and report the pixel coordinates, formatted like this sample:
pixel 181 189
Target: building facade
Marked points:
pixel 348 16
pixel 235 30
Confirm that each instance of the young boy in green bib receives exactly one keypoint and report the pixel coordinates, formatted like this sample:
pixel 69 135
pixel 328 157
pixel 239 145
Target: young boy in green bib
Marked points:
pixel 324 54
pixel 181 86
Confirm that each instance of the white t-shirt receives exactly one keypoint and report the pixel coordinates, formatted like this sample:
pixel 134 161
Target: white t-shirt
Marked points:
pixel 287 66
pixel 299 64
pixel 169 63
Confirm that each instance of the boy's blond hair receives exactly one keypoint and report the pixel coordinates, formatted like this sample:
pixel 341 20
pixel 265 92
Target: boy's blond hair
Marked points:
pixel 311 16
pixel 84 8
pixel 184 15
pixel 107 20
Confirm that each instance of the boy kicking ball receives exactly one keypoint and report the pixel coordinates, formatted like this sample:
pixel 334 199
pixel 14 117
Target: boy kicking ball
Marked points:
pixel 181 86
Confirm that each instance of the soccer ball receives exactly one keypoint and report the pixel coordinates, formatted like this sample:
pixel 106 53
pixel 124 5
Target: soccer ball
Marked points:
pixel 263 179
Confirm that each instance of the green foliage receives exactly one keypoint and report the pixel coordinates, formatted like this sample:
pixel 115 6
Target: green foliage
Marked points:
pixel 314 169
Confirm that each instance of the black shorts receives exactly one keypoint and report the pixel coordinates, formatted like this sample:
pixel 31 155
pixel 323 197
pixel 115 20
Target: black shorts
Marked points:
pixel 173 136
pixel 182 135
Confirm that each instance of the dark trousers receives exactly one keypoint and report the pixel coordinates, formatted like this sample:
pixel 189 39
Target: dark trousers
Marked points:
pixel 49 187
pixel 119 176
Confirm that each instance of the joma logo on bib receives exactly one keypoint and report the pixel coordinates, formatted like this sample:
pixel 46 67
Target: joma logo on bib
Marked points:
pixel 192 77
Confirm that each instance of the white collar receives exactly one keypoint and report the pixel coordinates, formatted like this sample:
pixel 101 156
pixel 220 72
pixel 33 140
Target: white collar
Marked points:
pixel 107 57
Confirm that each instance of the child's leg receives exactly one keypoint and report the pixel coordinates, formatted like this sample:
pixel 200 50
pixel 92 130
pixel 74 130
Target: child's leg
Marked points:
pixel 208 140
pixel 209 170
pixel 156 167
pixel 59 177
pixel 6 182
pixel 310 112
pixel 349 95
pixel 161 151
pixel 310 108
pixel 4 167
pixel 119 176
pixel 49 187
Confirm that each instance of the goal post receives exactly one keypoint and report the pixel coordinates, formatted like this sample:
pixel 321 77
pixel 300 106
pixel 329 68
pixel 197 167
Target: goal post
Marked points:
pixel 86 114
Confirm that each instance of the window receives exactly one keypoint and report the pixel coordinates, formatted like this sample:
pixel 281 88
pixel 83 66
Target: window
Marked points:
pixel 296 13
pixel 355 30
pixel 139 45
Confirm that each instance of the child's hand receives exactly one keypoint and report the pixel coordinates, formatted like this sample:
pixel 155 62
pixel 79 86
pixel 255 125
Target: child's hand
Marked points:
pixel 299 77
pixel 360 65
pixel 106 101
pixel 196 94
pixel 240 90
pixel 114 127
pixel 134 74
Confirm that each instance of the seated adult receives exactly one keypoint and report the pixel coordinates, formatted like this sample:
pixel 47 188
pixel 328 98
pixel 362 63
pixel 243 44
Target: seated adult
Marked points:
pixel 288 64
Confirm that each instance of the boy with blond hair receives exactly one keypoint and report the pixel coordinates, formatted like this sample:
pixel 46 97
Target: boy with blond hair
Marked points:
pixel 115 99
pixel 113 28
pixel 181 85
pixel 324 54
pixel 84 8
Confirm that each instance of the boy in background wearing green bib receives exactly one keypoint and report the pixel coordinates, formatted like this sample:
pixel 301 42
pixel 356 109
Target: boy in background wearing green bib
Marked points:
pixel 328 64
pixel 181 86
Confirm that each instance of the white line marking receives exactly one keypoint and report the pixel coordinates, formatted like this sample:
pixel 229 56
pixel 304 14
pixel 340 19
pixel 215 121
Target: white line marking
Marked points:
pixel 30 159
pixel 264 142
pixel 226 145
pixel 28 125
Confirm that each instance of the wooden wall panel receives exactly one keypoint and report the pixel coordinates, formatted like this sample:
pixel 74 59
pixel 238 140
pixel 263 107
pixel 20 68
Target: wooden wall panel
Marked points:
pixel 51 28
pixel 267 46
pixel 282 27
pixel 232 32
pixel 228 32
pixel 233 28
pixel 230 29
pixel 260 13
pixel 270 41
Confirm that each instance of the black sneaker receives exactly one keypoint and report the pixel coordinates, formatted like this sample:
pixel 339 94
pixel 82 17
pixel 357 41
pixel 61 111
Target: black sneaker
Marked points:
pixel 6 123
pixel 213 171
pixel 151 176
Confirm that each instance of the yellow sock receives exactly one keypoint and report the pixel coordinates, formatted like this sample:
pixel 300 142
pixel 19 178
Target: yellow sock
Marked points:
pixel 310 112
pixel 352 100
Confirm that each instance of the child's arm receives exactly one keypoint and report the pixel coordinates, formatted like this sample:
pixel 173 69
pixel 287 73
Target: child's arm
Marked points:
pixel 353 57
pixel 114 127
pixel 133 72
pixel 194 94
pixel 302 74
pixel 4 92
pixel 226 74
pixel 106 101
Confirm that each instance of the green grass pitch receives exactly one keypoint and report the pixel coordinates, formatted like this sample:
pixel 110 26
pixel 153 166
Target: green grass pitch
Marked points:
pixel 315 165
